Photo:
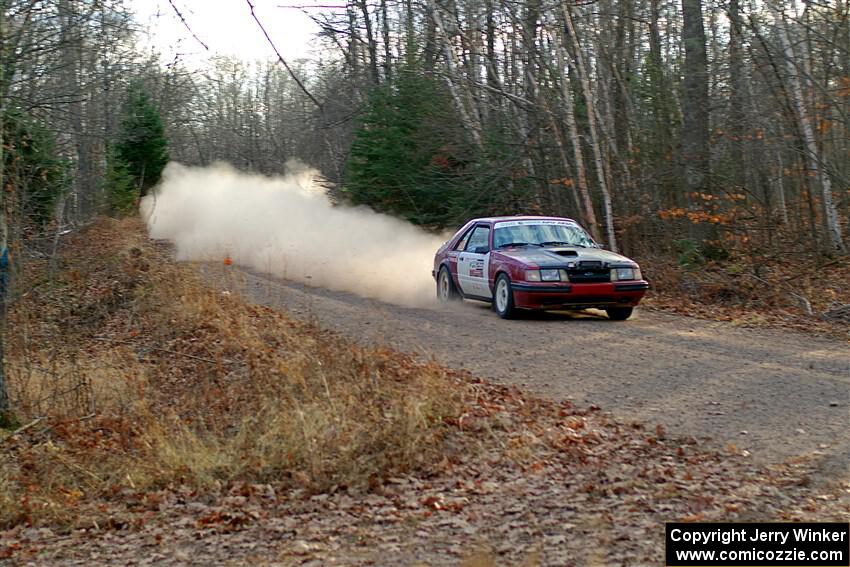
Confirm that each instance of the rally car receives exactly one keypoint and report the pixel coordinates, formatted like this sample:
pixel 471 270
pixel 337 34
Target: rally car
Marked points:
pixel 530 262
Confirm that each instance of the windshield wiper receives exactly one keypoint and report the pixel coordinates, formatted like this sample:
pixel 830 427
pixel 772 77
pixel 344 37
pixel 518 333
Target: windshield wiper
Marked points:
pixel 561 243
pixel 509 244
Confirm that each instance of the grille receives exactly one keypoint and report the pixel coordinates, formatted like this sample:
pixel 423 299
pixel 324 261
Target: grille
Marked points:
pixel 589 272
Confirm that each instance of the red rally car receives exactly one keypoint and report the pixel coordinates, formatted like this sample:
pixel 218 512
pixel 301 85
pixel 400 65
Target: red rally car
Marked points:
pixel 529 262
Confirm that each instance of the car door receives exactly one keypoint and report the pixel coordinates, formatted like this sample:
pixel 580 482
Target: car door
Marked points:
pixel 473 263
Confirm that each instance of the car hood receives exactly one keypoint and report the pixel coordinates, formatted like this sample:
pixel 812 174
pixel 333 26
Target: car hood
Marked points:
pixel 559 256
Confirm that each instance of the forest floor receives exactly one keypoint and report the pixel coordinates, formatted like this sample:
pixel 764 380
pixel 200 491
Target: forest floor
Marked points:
pixel 804 294
pixel 166 421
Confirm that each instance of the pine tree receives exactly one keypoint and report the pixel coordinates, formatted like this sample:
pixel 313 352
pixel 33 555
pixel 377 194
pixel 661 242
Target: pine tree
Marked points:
pixel 142 145
pixel 404 160
pixel 120 187
pixel 32 165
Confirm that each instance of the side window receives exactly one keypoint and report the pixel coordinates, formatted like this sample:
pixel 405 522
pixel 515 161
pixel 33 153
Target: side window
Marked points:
pixel 480 238
pixel 461 245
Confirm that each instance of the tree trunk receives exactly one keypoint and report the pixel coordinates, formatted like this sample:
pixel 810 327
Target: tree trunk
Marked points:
pixel 4 272
pixel 570 117
pixel 71 42
pixel 463 100
pixel 493 99
pixel 814 160
pixel 780 189
pixel 591 124
pixel 695 105
pixel 409 34
pixel 370 42
pixel 661 142
pixel 5 198
pixel 737 88
pixel 385 29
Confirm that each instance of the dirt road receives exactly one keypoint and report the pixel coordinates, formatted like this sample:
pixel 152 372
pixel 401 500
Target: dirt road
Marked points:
pixel 773 393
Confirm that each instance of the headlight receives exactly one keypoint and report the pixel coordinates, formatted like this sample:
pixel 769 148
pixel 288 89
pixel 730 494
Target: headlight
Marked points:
pixel 547 275
pixel 620 274
pixel 550 275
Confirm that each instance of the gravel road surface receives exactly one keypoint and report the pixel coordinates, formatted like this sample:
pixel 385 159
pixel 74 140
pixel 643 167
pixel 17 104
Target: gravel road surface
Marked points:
pixel 777 394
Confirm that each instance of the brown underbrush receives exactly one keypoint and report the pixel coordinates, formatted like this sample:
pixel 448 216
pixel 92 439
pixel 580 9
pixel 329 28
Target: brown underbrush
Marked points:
pixel 127 374
pixel 801 294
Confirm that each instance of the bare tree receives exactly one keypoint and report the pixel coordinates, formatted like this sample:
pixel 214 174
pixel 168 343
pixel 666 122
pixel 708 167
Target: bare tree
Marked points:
pixel 814 159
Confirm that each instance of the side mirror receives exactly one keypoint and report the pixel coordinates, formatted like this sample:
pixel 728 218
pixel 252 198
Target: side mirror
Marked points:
pixel 601 246
pixel 481 249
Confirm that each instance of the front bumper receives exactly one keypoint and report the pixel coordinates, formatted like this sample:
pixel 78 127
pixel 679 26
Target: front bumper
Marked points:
pixel 578 295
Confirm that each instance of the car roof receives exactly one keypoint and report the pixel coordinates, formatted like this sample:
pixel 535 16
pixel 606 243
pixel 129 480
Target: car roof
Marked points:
pixel 520 217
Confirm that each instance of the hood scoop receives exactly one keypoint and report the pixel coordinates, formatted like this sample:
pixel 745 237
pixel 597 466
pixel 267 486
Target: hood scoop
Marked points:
pixel 566 253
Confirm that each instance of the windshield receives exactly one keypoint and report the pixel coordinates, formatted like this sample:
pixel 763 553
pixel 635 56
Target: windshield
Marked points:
pixel 541 233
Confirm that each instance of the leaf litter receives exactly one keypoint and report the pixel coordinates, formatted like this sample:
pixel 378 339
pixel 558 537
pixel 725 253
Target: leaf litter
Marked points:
pixel 512 480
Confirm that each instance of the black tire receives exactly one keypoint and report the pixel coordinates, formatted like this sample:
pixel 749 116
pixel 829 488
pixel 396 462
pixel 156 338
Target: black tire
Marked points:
pixel 503 297
pixel 619 313
pixel 446 290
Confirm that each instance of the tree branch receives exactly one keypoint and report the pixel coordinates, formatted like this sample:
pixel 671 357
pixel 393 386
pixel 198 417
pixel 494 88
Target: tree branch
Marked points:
pixel 185 23
pixel 281 59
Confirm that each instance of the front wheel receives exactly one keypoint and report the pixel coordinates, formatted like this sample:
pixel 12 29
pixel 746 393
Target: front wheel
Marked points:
pixel 503 300
pixel 446 290
pixel 619 313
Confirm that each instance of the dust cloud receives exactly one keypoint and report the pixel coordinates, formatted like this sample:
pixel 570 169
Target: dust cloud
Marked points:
pixel 288 227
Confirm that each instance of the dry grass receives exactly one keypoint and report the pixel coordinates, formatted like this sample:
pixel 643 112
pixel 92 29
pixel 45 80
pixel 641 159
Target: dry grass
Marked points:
pixel 132 376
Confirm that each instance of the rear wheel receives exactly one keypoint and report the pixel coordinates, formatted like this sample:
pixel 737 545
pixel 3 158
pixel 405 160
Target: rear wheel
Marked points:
pixel 619 313
pixel 446 290
pixel 503 298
